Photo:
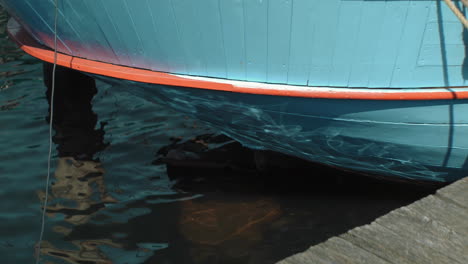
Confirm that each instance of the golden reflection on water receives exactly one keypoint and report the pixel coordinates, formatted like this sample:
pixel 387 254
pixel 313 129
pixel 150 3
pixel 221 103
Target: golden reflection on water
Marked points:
pixel 78 181
pixel 88 252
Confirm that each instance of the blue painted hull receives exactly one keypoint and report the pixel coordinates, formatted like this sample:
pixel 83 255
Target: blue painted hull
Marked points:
pixel 332 43
pixel 338 43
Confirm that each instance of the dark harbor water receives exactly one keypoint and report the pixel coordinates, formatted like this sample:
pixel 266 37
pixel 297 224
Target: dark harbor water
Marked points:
pixel 134 182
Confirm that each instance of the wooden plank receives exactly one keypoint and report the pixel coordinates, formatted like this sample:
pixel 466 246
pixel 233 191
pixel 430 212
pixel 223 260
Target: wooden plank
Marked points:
pixel 394 20
pixel 441 211
pixel 232 22
pixel 99 14
pixel 393 246
pixel 345 45
pixel 212 42
pixel 405 64
pixel 155 58
pixel 421 229
pixel 337 250
pixel 279 40
pixel 305 257
pixel 131 44
pixel 191 38
pixel 256 39
pixel 323 37
pixel 305 14
pixel 366 44
pixel 431 230
pixel 457 192
pixel 164 23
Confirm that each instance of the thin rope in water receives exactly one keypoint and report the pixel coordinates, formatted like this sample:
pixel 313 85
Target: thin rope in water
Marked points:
pixel 46 197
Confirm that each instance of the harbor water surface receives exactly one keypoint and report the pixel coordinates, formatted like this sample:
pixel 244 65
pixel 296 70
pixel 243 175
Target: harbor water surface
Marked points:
pixel 134 182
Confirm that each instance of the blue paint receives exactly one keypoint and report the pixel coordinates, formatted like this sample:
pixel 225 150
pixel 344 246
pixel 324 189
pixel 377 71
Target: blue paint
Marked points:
pixel 389 44
pixel 370 26
pixel 279 40
pixel 409 48
pixel 303 12
pixel 124 27
pixel 256 39
pixel 208 17
pixel 89 33
pixel 323 42
pixel 164 24
pixel 346 41
pixel 150 46
pixel 190 35
pixel 232 23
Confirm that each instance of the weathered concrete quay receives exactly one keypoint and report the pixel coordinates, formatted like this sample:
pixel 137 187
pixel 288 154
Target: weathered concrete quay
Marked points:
pixel 431 230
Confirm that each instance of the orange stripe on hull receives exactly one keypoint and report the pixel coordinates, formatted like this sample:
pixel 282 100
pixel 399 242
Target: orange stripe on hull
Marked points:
pixel 33 48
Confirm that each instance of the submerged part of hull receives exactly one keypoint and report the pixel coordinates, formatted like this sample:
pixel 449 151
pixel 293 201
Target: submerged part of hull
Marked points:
pixel 337 43
pixel 406 139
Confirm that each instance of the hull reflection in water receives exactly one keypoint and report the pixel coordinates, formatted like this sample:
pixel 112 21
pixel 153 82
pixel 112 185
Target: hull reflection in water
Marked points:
pixel 78 190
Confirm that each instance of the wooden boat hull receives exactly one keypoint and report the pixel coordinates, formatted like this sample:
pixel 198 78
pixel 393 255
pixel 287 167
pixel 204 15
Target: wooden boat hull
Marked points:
pixel 343 95
pixel 336 43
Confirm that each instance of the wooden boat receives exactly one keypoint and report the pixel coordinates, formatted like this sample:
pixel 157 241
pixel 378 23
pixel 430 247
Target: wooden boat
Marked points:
pixel 374 86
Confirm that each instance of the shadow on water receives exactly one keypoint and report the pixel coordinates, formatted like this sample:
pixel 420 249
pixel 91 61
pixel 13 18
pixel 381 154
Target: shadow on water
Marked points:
pixel 230 205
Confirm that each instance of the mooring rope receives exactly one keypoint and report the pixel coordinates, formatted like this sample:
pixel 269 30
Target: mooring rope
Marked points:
pixel 457 11
pixel 465 3
pixel 46 196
